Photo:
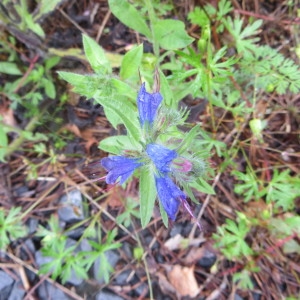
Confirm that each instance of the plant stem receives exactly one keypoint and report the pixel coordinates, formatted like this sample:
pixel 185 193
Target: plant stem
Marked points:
pixel 30 127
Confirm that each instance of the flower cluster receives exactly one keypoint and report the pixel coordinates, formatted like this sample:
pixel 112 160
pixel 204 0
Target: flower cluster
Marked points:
pixel 164 162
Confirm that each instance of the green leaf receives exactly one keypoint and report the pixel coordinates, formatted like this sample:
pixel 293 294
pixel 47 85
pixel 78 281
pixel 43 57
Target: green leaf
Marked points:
pixel 131 123
pixel 3 143
pixel 164 215
pixel 147 195
pixel 202 186
pixel 86 85
pixel 131 62
pixel 45 7
pixel 49 87
pixel 124 89
pixel 131 17
pixel 171 34
pixel 51 62
pixel 166 90
pixel 117 144
pixel 188 139
pixel 9 68
pixel 96 56
pixel 35 27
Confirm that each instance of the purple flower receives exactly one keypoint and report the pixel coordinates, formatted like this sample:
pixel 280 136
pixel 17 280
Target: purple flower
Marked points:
pixel 147 105
pixel 170 195
pixel 161 157
pixel 119 166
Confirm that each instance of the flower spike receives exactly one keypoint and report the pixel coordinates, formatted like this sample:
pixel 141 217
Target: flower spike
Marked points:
pixel 170 195
pixel 147 105
pixel 119 166
pixel 161 157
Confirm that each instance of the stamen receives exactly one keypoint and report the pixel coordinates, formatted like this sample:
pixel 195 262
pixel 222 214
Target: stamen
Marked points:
pixel 188 208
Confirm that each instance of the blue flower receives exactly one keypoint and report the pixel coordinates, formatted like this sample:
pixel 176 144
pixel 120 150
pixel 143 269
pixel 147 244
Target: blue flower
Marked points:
pixel 161 157
pixel 119 166
pixel 147 105
pixel 170 195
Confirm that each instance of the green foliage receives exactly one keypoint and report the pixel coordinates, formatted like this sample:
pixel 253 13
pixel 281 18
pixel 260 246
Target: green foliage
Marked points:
pixel 147 195
pixel 65 260
pixel 243 280
pixel 51 235
pixel 99 253
pixel 129 16
pixel 171 35
pixel 96 56
pixel 282 190
pixel 284 228
pixel 231 238
pixel 250 188
pixel 37 82
pixel 6 148
pixel 273 71
pixel 168 34
pixel 245 43
pixel 11 227
pixel 18 15
pixel 131 62
pixel 60 256
pixel 131 210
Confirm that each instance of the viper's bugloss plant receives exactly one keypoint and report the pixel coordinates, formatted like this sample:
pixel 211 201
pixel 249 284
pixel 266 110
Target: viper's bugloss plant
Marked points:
pixel 167 161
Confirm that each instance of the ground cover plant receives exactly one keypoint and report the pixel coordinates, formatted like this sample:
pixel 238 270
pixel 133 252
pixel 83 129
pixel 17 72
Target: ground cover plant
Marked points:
pixel 149 150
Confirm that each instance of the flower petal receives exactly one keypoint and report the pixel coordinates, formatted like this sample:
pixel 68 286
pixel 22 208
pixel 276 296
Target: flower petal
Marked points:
pixel 170 195
pixel 147 105
pixel 161 157
pixel 119 166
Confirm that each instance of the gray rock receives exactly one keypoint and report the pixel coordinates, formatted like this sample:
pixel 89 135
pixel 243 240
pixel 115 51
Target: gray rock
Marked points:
pixel 27 249
pixel 33 225
pixel 71 209
pixel 207 260
pixel 17 291
pixel 121 279
pixel 6 284
pixel 48 291
pixel 176 229
pixel 103 295
pixel 237 297
pixel 112 258
pixel 140 290
pixel 256 296
pixel 127 248
pixel 75 233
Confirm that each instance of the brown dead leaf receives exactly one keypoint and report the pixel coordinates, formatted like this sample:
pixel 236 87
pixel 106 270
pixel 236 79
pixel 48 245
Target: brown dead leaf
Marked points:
pixel 166 287
pixel 184 281
pixel 86 134
pixel 72 128
pixel 194 254
pixel 115 198
pixel 7 115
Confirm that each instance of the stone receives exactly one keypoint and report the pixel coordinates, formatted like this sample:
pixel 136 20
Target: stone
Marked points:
pixel 71 209
pixel 17 292
pixel 207 260
pixel 104 295
pixel 48 291
pixel 6 285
